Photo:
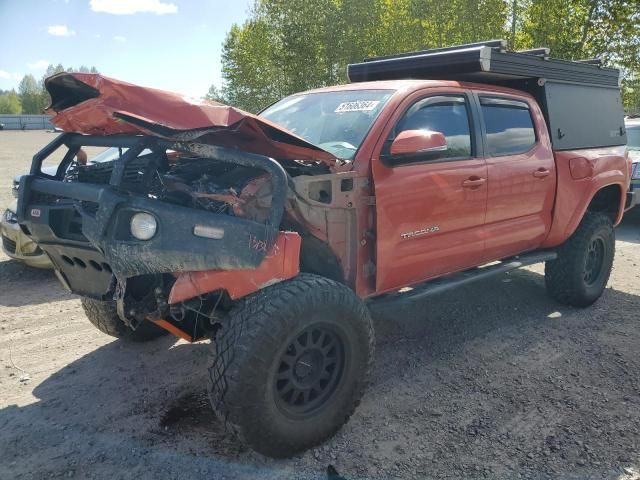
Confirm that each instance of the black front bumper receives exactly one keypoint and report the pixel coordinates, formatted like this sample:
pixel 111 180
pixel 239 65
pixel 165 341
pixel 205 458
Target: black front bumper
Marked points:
pixel 84 228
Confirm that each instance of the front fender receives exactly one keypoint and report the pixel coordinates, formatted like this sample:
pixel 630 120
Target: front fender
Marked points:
pixel 282 262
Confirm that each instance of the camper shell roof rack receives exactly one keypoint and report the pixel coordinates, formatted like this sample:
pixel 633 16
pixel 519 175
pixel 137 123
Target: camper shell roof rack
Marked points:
pixel 484 62
pixel 579 99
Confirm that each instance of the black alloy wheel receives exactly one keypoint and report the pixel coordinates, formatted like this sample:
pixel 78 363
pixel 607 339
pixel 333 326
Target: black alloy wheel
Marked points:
pixel 309 370
pixel 594 261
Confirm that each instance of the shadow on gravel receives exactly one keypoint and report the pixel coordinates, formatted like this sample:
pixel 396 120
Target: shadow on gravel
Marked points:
pixel 512 383
pixel 121 411
pixel 29 286
pixel 470 384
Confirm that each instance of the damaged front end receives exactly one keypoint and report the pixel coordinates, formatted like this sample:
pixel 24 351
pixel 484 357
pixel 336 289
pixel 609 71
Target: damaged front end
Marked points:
pixel 184 218
pixel 214 209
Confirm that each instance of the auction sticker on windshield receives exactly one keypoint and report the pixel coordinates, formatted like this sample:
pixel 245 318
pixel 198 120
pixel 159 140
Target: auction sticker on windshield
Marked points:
pixel 362 106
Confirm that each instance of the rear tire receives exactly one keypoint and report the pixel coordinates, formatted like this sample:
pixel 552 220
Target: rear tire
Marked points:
pixel 580 273
pixel 291 364
pixel 104 317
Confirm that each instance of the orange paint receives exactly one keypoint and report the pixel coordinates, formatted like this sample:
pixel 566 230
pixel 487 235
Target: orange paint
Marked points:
pixel 281 263
pixel 171 328
pixel 118 107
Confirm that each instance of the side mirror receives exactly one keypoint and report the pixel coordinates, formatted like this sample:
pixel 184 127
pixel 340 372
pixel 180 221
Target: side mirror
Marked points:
pixel 418 142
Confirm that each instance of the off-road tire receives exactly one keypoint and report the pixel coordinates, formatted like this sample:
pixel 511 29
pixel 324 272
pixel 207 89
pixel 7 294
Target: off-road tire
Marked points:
pixel 104 317
pixel 247 358
pixel 565 277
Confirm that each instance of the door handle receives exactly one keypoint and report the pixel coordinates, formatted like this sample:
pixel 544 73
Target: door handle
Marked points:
pixel 474 182
pixel 541 173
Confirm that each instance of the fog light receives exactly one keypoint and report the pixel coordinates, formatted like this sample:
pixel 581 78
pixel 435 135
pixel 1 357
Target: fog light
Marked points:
pixel 143 226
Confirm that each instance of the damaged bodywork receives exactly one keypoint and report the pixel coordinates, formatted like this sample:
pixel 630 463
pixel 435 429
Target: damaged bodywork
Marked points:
pixel 220 213
pixel 93 104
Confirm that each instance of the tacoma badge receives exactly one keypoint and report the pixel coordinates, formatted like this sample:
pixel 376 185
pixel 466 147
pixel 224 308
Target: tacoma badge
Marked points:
pixel 422 231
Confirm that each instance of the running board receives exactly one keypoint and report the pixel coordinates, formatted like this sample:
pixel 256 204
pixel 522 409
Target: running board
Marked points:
pixel 454 280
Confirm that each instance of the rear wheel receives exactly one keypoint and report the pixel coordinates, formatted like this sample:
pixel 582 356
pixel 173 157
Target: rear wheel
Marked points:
pixel 291 363
pixel 104 317
pixel 580 273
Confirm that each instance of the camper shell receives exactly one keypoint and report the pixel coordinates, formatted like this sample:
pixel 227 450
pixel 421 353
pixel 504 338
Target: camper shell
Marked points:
pixel 580 100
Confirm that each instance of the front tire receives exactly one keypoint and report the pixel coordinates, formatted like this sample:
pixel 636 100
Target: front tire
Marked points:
pixel 104 316
pixel 580 273
pixel 291 364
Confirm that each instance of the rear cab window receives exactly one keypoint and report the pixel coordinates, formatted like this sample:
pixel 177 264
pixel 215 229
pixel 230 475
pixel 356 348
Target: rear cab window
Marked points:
pixel 509 126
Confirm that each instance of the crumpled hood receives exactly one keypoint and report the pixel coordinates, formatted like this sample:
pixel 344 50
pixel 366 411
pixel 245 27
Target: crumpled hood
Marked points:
pixel 93 104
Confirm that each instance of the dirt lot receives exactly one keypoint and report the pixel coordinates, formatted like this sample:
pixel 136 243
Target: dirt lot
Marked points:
pixel 490 381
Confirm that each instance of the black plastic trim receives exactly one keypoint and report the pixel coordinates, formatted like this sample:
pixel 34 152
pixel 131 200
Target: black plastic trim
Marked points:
pixel 448 282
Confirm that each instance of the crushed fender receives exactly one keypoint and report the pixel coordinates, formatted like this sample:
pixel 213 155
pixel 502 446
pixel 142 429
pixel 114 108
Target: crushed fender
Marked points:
pixel 281 263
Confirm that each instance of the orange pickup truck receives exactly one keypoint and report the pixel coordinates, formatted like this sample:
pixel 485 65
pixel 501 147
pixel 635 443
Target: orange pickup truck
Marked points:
pixel 271 234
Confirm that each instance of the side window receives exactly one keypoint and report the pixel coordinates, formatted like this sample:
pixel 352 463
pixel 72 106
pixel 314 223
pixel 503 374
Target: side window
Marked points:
pixel 445 114
pixel 509 126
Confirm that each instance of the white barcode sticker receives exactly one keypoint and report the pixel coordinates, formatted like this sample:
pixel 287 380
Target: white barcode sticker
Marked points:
pixel 362 106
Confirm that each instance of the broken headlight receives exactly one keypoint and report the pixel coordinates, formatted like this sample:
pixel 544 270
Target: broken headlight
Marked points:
pixel 10 216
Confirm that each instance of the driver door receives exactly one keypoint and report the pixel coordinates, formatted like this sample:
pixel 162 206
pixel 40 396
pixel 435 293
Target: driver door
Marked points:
pixel 430 210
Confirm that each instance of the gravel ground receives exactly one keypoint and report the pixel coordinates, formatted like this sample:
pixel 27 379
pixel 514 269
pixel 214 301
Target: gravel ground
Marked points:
pixel 489 381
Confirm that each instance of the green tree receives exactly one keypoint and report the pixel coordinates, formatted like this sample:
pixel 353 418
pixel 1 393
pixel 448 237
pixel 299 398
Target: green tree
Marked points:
pixel 291 45
pixel 631 94
pixel 578 29
pixel 294 45
pixel 30 95
pixel 10 103
pixel 216 94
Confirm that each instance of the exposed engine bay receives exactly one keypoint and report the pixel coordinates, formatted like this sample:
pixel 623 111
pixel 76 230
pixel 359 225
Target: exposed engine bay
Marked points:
pixel 193 182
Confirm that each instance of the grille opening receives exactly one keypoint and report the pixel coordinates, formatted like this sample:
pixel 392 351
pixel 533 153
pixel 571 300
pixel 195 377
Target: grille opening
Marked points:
pixel 8 244
pixel 67 260
pixel 79 262
pixel 67 223
pixel 106 267
pixel 95 265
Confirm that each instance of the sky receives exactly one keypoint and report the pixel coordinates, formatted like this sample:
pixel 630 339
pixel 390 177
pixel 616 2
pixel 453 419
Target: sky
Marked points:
pixel 169 44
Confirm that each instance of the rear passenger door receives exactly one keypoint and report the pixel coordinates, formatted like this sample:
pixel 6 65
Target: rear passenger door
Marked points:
pixel 521 175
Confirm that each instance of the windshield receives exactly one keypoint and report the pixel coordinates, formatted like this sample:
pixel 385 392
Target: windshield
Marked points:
pixel 113 153
pixel 334 121
pixel 633 138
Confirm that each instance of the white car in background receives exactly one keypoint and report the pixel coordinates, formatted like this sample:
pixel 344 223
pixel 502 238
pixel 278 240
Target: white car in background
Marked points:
pixel 15 243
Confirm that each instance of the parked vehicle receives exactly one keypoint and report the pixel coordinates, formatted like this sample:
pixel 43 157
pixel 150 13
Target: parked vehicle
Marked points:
pixel 15 243
pixel 632 126
pixel 271 234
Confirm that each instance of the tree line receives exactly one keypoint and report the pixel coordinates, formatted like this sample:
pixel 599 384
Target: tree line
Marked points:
pixel 31 97
pixel 286 46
